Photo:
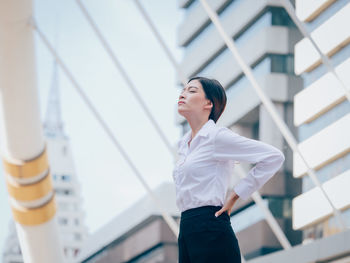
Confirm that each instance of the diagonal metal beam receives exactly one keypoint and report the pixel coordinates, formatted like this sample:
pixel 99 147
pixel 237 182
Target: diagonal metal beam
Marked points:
pixel 269 106
pixel 126 78
pixel 270 219
pixel 167 51
pixel 325 59
pixel 168 219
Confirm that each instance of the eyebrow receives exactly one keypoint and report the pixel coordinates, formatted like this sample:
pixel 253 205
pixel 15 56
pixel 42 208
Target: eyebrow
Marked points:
pixel 189 88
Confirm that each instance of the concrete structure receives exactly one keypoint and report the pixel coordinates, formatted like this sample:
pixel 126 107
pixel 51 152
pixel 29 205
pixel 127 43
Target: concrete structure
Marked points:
pixel 138 234
pixel 70 216
pixel 265 37
pixel 322 115
pixel 332 249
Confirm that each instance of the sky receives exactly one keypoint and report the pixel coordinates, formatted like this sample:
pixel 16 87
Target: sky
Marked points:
pixel 108 185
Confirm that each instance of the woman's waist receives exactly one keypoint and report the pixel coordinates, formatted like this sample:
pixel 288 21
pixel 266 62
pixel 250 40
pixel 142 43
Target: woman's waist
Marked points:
pixel 200 211
pixel 203 219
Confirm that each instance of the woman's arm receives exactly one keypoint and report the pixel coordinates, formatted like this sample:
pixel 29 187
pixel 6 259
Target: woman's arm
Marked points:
pixel 229 145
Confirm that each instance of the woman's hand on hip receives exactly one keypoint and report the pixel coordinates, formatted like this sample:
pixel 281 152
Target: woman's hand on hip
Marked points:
pixel 233 197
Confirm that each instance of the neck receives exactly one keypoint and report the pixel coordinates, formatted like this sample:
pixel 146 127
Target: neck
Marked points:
pixel 196 124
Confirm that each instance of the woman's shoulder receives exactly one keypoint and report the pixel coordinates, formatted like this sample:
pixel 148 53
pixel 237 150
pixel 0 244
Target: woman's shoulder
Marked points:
pixel 222 131
pixel 224 135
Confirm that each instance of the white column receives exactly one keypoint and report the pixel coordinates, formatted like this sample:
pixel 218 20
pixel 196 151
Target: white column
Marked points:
pixel 22 142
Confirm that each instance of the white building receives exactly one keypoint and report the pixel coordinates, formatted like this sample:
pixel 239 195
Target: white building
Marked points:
pixel 69 212
pixel 322 115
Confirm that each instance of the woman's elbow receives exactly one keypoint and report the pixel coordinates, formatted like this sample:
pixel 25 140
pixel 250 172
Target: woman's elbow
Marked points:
pixel 280 158
pixel 276 157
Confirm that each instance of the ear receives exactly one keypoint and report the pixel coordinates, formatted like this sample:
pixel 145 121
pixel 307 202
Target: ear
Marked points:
pixel 209 105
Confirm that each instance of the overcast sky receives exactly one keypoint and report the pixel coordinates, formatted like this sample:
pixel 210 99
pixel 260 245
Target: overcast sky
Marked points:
pixel 108 185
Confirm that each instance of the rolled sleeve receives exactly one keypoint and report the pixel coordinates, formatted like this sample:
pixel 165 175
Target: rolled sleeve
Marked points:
pixel 229 145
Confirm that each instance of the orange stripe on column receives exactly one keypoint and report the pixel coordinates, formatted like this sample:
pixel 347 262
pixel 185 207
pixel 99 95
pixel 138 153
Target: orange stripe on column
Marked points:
pixel 27 169
pixel 35 216
pixel 30 192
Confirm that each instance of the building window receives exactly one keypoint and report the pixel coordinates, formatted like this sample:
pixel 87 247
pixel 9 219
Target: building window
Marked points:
pixel 338 58
pixel 76 252
pixel 282 63
pixel 279 207
pixel 326 14
pixel 62 221
pixel 328 172
pixel 64 150
pixel 65 177
pixel 61 191
pixel 326 228
pixel 67 192
pixel 77 236
pixel 306 130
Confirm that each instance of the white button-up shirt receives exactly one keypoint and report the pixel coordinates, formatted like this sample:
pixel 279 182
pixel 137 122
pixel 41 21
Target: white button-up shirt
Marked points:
pixel 203 169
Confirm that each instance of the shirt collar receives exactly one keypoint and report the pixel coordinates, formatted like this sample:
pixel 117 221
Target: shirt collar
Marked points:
pixel 203 131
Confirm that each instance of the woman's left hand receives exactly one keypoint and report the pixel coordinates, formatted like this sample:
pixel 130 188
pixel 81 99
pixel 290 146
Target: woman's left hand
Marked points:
pixel 228 204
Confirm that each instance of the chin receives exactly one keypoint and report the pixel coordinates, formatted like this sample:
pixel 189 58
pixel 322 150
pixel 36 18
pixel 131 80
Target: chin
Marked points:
pixel 181 113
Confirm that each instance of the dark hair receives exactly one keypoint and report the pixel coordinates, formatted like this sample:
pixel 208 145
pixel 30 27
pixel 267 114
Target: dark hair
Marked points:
pixel 215 93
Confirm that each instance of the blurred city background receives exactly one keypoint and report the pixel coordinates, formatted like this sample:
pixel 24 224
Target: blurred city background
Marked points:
pixel 112 183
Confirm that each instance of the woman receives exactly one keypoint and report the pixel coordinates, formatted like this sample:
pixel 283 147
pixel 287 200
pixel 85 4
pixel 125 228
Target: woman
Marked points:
pixel 206 158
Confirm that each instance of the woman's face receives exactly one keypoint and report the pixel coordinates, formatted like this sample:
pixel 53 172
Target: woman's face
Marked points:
pixel 192 100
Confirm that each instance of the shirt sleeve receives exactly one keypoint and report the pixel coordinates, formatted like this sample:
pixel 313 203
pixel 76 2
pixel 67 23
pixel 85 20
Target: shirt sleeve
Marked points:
pixel 229 145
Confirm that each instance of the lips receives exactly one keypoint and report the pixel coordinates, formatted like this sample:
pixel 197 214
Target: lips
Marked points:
pixel 181 102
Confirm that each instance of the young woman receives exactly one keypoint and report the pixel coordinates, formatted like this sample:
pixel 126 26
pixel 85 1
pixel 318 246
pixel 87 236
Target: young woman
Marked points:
pixel 206 158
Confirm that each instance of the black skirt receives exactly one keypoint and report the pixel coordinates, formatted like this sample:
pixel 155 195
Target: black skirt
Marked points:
pixel 204 238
